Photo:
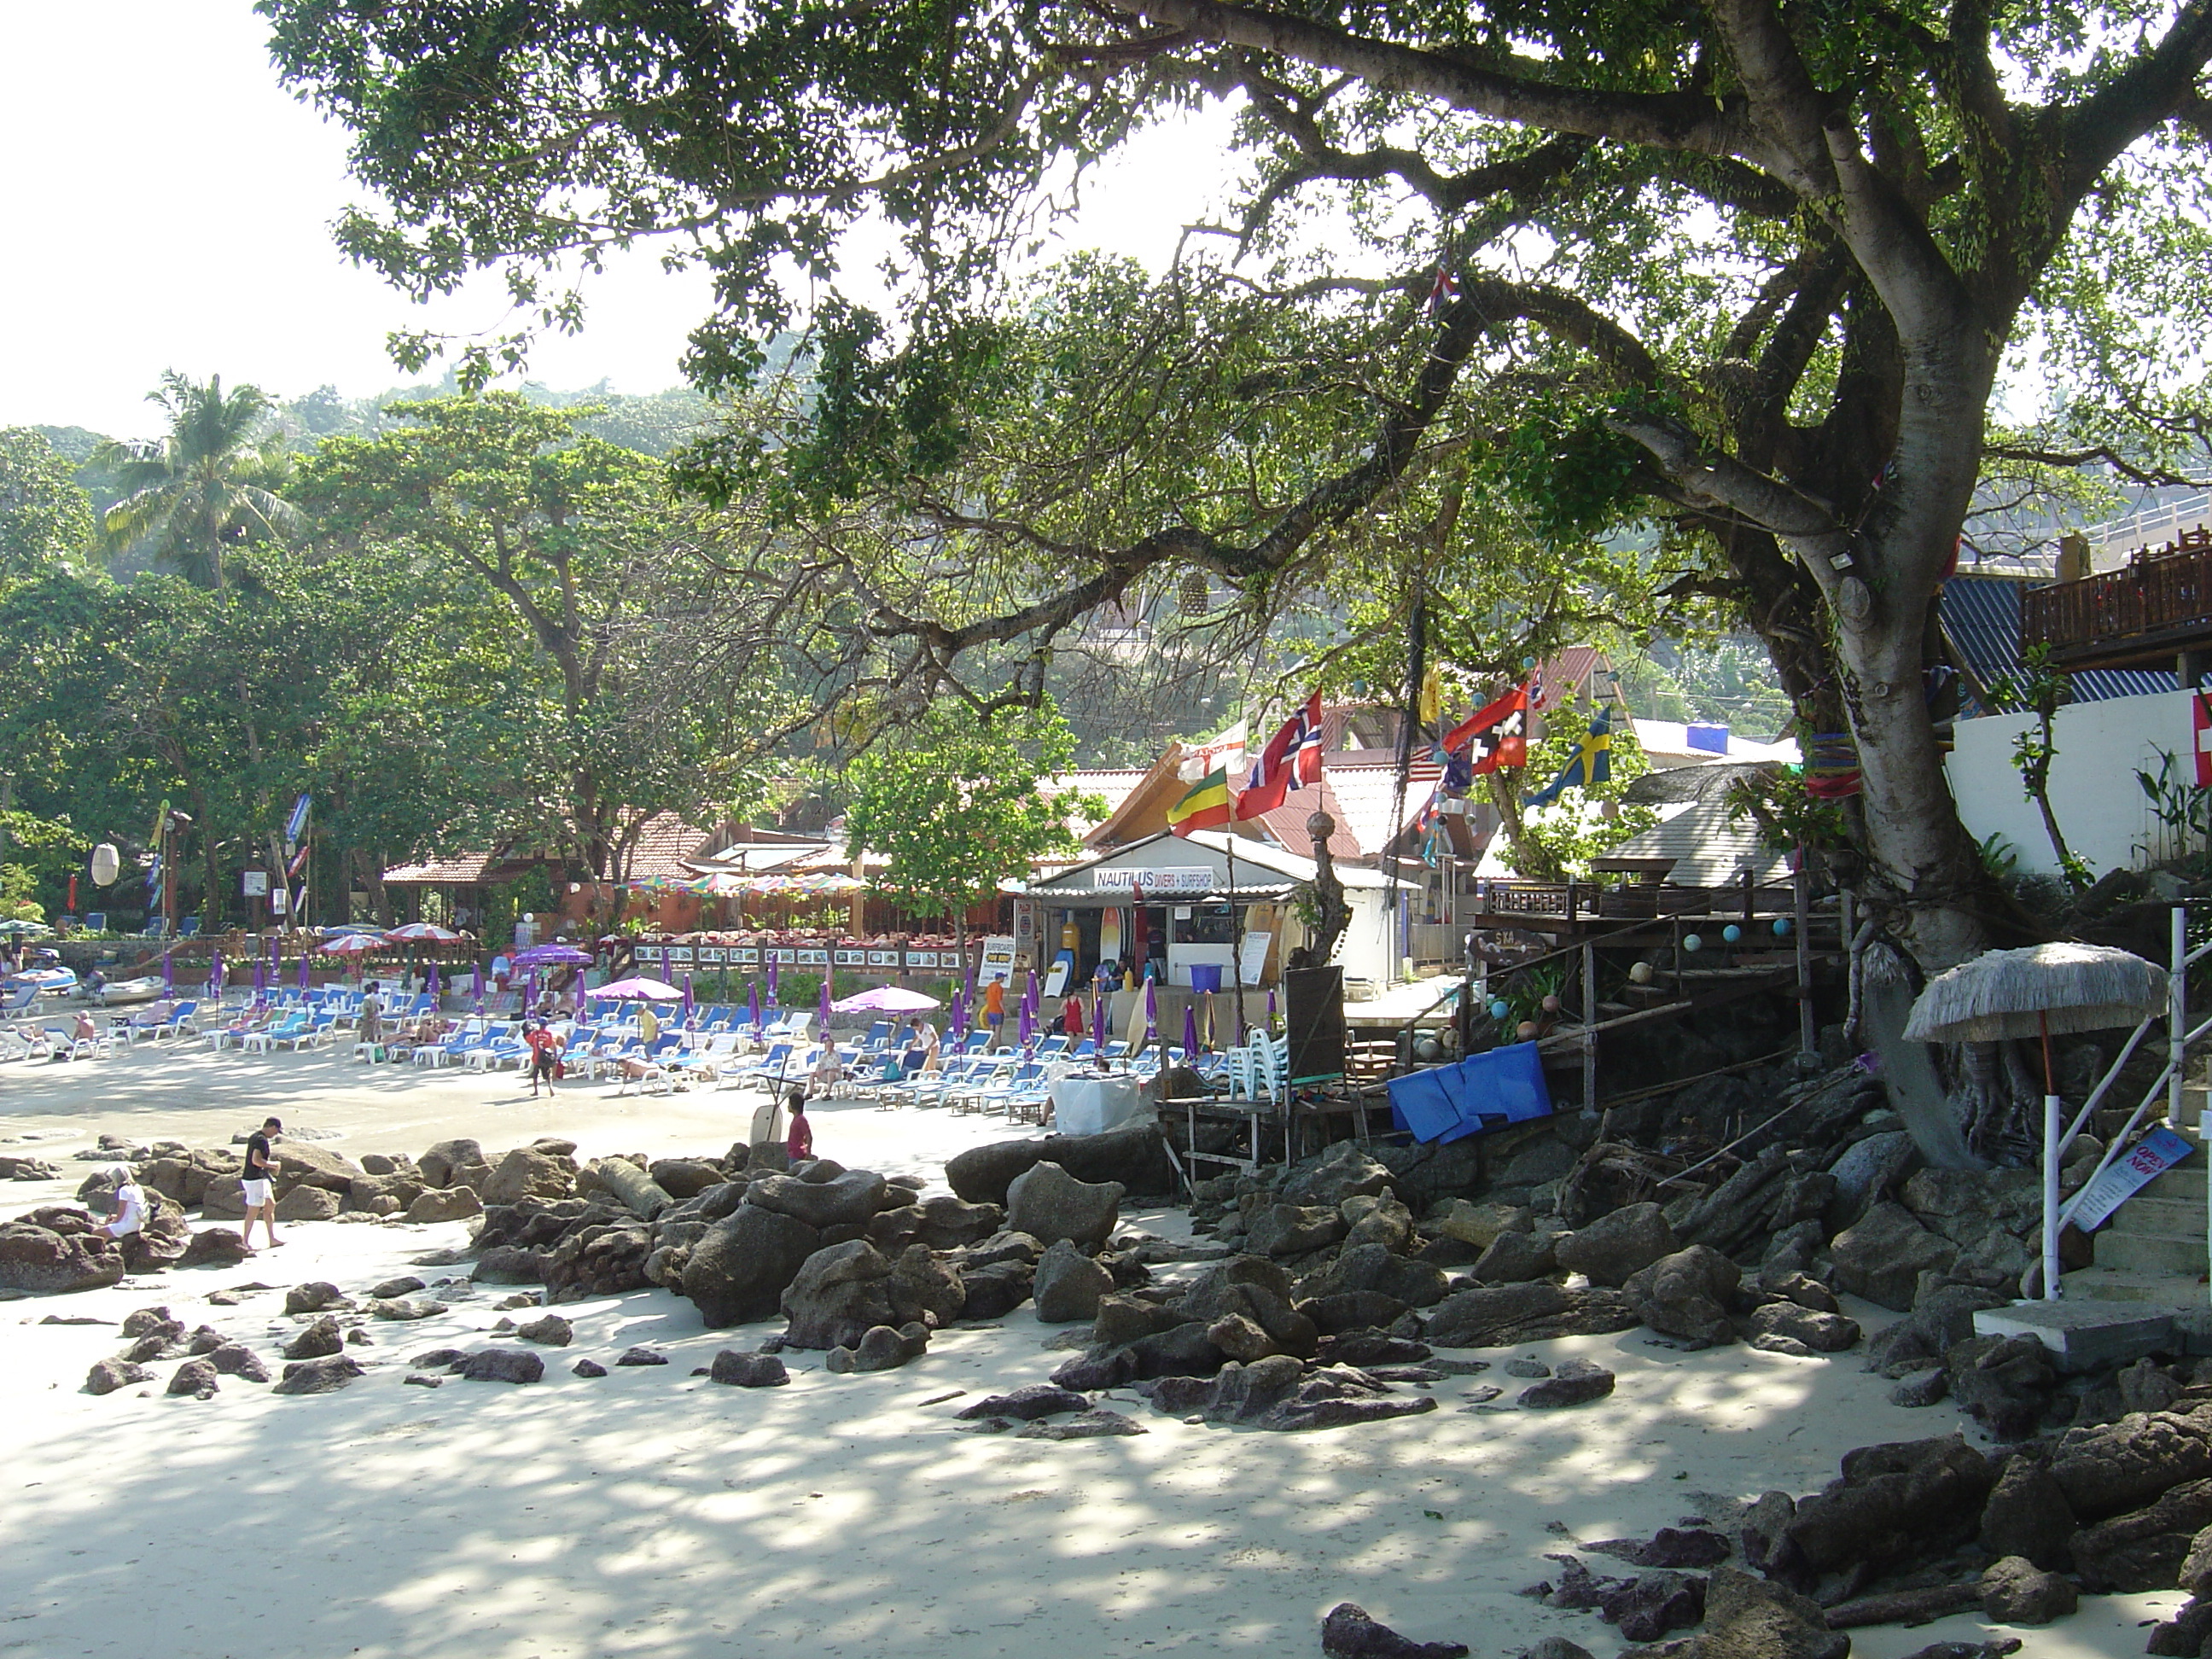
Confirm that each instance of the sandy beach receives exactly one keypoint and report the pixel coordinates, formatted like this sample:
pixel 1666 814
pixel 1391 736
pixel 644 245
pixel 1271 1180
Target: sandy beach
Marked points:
pixel 651 1512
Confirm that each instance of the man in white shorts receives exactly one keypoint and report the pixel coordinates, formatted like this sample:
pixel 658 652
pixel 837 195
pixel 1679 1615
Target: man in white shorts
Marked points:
pixel 257 1182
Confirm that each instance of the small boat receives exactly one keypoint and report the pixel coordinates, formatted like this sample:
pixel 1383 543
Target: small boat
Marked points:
pixel 50 981
pixel 118 992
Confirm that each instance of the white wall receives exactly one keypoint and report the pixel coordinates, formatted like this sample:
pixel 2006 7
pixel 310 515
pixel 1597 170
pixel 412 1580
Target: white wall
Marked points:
pixel 2101 809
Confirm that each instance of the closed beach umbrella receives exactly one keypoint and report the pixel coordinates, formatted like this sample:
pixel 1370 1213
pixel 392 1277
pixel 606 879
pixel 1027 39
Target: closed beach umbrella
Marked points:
pixel 305 982
pixel 665 965
pixel 752 1002
pixel 1189 1029
pixel 1024 1026
pixel 275 961
pixel 260 978
pixel 774 980
pixel 1101 1030
pixel 822 1011
pixel 168 974
pixel 476 985
pixel 690 1006
pixel 1271 1011
pixel 1151 1011
pixel 214 977
pixel 957 1025
pixel 2029 994
pixel 431 984
pixel 1030 994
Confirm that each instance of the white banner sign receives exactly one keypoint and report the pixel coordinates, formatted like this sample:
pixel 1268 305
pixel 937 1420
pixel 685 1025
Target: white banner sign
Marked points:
pixel 998 959
pixel 1183 878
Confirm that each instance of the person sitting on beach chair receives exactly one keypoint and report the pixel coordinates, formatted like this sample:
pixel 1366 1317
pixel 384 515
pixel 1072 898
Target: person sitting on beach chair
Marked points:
pixel 827 1071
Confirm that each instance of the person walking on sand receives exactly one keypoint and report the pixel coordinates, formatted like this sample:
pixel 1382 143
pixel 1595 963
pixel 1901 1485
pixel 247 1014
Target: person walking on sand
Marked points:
pixel 995 1004
pixel 800 1146
pixel 545 1055
pixel 257 1182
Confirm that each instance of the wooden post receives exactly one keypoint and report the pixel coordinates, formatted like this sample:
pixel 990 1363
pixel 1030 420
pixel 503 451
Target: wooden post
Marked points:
pixel 1590 1035
pixel 1808 1038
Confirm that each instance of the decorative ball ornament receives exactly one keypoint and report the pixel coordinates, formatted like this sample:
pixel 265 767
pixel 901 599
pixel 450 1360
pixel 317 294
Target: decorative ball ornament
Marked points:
pixel 1500 1009
pixel 1428 1049
pixel 1527 662
pixel 1782 927
pixel 106 864
pixel 1693 942
pixel 1525 1031
pixel 1731 933
pixel 1551 1005
pixel 1639 973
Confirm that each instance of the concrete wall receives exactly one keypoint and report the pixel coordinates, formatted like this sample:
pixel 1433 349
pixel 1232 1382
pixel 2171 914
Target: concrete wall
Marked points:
pixel 2101 809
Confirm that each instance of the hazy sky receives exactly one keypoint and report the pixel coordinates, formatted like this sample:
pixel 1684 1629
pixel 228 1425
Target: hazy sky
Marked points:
pixel 170 205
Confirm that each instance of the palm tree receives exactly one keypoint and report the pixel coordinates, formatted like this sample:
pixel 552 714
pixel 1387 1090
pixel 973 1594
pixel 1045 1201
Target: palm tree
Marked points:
pixel 213 482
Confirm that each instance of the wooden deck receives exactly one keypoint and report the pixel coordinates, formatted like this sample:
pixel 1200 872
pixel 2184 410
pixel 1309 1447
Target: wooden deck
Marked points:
pixel 2146 612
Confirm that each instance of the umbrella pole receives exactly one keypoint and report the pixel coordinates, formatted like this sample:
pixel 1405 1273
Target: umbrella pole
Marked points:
pixel 2054 1117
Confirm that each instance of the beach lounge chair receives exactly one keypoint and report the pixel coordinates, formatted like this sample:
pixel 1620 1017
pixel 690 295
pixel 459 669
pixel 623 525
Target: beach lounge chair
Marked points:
pixel 178 1022
pixel 261 1041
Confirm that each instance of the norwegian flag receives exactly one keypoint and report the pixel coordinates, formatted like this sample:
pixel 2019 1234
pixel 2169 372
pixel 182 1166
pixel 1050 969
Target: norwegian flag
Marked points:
pixel 1495 736
pixel 1443 291
pixel 1290 761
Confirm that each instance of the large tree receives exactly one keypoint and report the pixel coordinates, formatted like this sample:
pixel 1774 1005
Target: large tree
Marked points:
pixel 1779 252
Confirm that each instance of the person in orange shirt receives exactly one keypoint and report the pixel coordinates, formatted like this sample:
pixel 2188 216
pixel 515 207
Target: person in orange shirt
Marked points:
pixel 995 1004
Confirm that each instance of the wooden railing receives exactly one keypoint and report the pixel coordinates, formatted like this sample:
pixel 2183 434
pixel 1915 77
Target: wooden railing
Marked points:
pixel 2156 600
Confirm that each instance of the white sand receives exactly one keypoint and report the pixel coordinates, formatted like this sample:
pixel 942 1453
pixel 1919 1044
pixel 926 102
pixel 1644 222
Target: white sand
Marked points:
pixel 650 1512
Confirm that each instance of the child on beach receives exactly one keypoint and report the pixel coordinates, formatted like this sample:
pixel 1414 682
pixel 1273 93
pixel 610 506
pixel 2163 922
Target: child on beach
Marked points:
pixel 800 1146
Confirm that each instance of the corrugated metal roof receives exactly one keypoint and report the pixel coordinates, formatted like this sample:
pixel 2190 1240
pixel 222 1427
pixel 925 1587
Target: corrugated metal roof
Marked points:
pixel 1981 619
pixel 1709 848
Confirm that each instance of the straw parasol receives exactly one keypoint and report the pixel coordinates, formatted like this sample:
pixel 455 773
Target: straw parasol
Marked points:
pixel 2030 994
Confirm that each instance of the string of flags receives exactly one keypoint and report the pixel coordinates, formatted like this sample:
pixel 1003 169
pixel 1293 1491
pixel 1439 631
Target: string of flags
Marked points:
pixel 1290 760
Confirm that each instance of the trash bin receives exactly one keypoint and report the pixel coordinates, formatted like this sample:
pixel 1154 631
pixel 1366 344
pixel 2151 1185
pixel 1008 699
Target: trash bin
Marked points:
pixel 1206 976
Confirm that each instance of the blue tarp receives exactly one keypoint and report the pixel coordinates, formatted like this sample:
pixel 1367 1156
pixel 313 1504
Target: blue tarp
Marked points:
pixel 1483 1092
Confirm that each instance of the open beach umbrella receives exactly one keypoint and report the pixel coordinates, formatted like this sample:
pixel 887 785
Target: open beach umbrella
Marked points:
pixel 637 988
pixel 168 974
pixel 1189 1029
pixel 2030 994
pixel 421 933
pixel 353 945
pixel 559 954
pixel 887 999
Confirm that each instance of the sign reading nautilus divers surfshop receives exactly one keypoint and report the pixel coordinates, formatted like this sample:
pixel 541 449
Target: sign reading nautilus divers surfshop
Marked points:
pixel 1182 879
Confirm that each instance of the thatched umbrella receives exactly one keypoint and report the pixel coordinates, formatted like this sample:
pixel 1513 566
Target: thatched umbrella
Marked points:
pixel 2030 994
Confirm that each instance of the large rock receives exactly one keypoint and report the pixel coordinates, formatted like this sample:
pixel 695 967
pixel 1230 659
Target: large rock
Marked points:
pixel 1517 1258
pixel 1349 1633
pixel 2028 1516
pixel 2143 1549
pixel 1048 1203
pixel 1478 1224
pixel 948 1223
pixel 214 1246
pixel 1882 1255
pixel 1575 1382
pixel 503 1365
pixel 740 1266
pixel 605 1259
pixel 1614 1248
pixel 1346 1171
pixel 302 1164
pixel 1686 1295
pixel 2123 1466
pixel 1068 1285
pixel 107 1375
pixel 1507 1315
pixel 309 1204
pixel 685 1178
pixel 844 1201
pixel 507 1264
pixel 324 1376
pixel 41 1260
pixel 2016 1591
pixel 995 1290
pixel 194 1379
pixel 1865 1172
pixel 841 1293
pixel 1135 1157
pixel 454 1164
pixel 317 1340
pixel 1904 1501
pixel 1782 1324
pixel 448 1204
pixel 1278 1392
pixel 527 1173
pixel 1372 1268
pixel 748 1371
pixel 1283 1230
pixel 627 1183
pixel 1748 1618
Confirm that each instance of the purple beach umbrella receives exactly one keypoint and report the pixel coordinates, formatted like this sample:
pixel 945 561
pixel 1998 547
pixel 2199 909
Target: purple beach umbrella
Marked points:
pixel 1189 1029
pixel 216 977
pixel 690 1005
pixel 1030 993
pixel 665 965
pixel 775 978
pixel 305 982
pixel 431 986
pixel 168 974
pixel 275 962
pixel 822 1011
pixel 752 1003
pixel 1152 1012
pixel 956 1024
pixel 1101 1026
pixel 1024 1025
pixel 476 986
pixel 1271 1011
pixel 260 978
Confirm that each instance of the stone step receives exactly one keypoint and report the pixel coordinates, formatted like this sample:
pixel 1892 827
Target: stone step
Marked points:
pixel 2104 1284
pixel 2176 1217
pixel 2152 1253
pixel 2184 1182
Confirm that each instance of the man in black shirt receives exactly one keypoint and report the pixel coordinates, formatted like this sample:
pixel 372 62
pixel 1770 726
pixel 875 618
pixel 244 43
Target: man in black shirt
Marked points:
pixel 258 1181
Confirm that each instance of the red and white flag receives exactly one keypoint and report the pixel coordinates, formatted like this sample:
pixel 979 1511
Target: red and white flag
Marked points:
pixel 1494 736
pixel 2201 721
pixel 1290 761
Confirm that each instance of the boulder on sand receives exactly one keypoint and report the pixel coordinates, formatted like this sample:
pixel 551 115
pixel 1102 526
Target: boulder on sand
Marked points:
pixel 740 1266
pixel 43 1261
pixel 1068 1285
pixel 1048 1203
pixel 1619 1245
pixel 1686 1295
pixel 1882 1254
pixel 527 1172
pixel 844 1201
pixel 844 1292
pixel 1135 1156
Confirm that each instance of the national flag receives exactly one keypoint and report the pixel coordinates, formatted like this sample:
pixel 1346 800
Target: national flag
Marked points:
pixel 1207 805
pixel 2201 715
pixel 1225 751
pixel 1443 291
pixel 299 862
pixel 1494 736
pixel 1592 764
pixel 1290 761
pixel 298 821
pixel 153 874
pixel 161 822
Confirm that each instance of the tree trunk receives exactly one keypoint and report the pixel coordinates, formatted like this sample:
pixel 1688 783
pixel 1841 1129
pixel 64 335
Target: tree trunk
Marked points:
pixel 1530 860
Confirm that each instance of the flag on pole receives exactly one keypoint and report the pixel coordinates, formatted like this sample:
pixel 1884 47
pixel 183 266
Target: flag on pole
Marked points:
pixel 298 821
pixel 1592 764
pixel 161 819
pixel 1207 805
pixel 1494 736
pixel 1290 761
pixel 1225 751
pixel 153 874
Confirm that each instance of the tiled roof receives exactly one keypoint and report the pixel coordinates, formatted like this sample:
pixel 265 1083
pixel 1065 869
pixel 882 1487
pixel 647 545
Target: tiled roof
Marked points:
pixel 467 871
pixel 663 848
pixel 1709 848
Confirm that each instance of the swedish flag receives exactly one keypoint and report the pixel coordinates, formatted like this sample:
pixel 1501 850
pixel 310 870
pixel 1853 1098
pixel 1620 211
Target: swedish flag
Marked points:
pixel 1592 764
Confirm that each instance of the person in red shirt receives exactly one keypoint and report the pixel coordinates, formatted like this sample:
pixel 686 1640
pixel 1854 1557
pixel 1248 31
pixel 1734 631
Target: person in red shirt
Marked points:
pixel 801 1144
pixel 545 1055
